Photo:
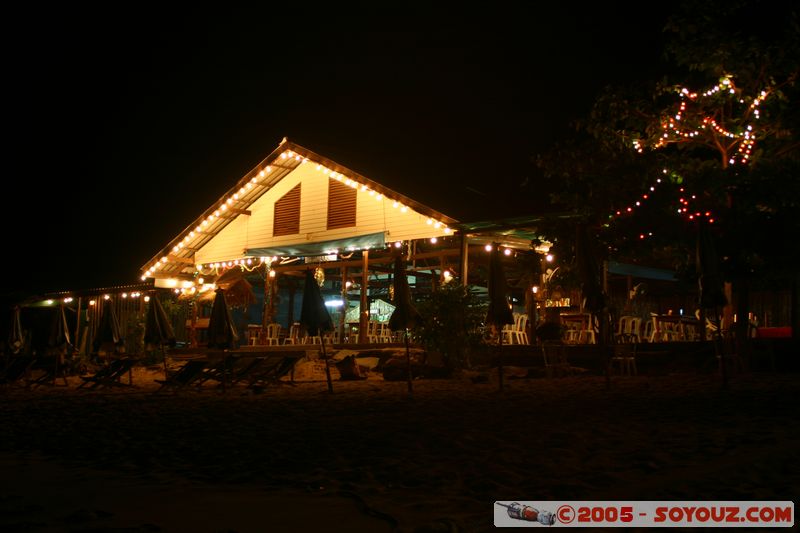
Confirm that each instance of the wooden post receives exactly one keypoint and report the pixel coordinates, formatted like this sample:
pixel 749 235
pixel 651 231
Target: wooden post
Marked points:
pixel 628 300
pixel 342 324
pixel 727 311
pixel 292 289
pixel 272 285
pixel 75 343
pixel 363 318
pixel 267 297
pixel 464 259
pixel 192 326
pixel 702 324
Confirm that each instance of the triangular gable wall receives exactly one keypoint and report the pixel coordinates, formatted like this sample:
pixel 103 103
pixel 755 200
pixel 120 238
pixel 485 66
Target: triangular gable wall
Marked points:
pixel 373 214
pixel 243 218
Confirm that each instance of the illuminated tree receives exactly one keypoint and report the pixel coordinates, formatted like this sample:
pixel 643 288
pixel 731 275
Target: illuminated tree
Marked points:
pixel 723 147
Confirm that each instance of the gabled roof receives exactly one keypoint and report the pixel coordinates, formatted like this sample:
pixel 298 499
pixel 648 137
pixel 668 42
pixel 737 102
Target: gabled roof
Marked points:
pixel 176 257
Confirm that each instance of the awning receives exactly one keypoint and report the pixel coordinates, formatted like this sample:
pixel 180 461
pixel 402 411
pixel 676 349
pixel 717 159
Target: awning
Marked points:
pixel 637 271
pixel 305 249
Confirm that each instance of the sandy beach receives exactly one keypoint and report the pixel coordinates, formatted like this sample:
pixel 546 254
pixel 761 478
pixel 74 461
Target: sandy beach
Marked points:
pixel 368 458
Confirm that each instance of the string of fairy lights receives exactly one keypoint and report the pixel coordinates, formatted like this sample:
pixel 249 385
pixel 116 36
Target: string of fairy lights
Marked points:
pixel 93 301
pixel 229 203
pixel 685 206
pixel 249 264
pixel 677 128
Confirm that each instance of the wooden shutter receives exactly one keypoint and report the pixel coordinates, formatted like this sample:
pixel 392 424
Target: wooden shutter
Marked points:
pixel 287 213
pixel 341 205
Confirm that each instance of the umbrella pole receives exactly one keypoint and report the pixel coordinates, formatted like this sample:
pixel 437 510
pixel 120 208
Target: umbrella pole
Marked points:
pixel 500 359
pixel 224 371
pixel 408 364
pixel 327 367
pixel 721 351
pixel 164 357
pixel 603 326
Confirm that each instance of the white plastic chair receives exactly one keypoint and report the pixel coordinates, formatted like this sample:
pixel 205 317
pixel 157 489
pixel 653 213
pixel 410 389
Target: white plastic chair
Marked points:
pixel 374 331
pixel 589 334
pixel 634 328
pixel 272 335
pixel 521 330
pixel 294 334
pixel 385 334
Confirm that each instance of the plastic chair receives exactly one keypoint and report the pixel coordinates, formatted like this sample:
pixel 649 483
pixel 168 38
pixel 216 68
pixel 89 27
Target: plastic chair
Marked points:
pixel 312 339
pixel 521 330
pixel 385 334
pixel 589 333
pixel 625 359
pixel 634 328
pixel 555 360
pixel 294 334
pixel 628 329
pixel 649 332
pixel 373 333
pixel 273 335
pixel 622 326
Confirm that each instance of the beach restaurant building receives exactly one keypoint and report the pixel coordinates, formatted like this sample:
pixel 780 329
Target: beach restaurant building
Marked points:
pixel 297 210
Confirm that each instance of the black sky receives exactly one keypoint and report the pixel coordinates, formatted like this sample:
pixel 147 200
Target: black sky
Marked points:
pixel 126 125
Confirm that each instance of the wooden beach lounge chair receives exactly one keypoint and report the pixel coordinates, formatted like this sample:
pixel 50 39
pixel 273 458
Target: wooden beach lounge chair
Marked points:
pixel 110 375
pixel 272 369
pixel 244 368
pixel 52 367
pixel 230 369
pixel 216 369
pixel 17 369
pixel 186 376
pixel 236 369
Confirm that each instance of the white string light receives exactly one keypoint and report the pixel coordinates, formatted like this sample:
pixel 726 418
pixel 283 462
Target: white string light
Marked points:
pixel 225 203
pixel 675 130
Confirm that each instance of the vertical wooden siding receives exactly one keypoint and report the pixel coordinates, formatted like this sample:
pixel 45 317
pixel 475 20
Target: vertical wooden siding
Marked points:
pixel 257 230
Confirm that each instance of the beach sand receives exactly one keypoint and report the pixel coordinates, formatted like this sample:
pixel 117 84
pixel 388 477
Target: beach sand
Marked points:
pixel 368 458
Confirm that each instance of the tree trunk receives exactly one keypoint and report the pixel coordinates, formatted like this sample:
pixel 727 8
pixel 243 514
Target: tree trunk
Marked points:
pixel 795 311
pixel 743 319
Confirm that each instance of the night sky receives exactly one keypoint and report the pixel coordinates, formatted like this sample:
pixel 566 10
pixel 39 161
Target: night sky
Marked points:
pixel 125 125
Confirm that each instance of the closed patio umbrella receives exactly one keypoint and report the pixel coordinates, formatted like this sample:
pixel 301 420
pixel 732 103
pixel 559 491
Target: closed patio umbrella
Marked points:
pixel 499 313
pixel 221 330
pixel 16 338
pixel 58 340
pixel 315 318
pixel 59 330
pixel 594 300
pixel 709 280
pixel 108 333
pixel 405 315
pixel 588 272
pixel 157 329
